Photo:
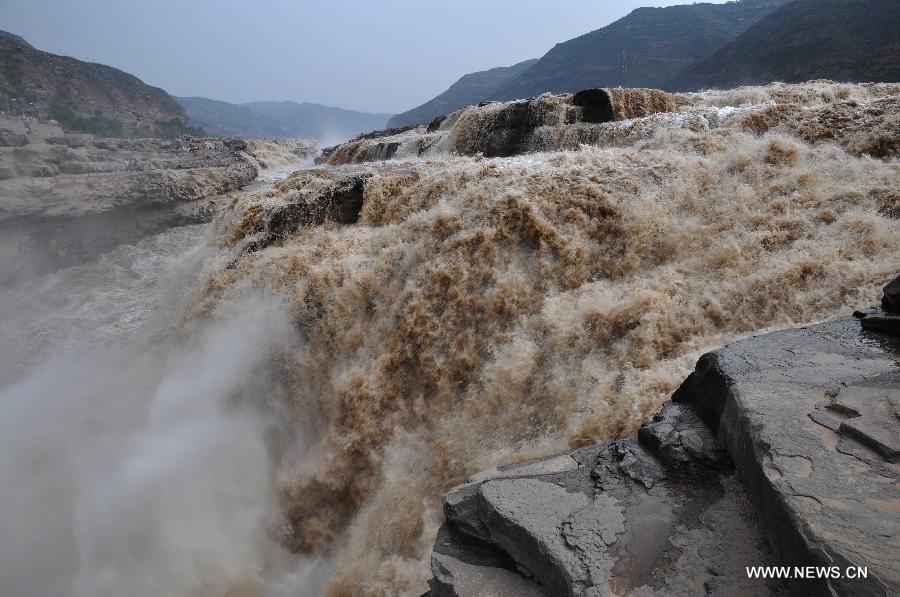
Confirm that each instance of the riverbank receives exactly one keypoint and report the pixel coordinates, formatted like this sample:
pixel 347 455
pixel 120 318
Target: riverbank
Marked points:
pixel 65 198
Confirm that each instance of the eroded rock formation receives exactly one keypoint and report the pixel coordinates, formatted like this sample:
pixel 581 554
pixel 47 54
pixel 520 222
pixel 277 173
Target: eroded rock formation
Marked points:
pixel 789 437
pixel 67 197
pixel 861 118
pixel 496 129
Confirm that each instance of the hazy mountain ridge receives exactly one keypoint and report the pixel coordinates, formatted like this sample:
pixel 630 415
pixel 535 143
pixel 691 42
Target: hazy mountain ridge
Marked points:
pixel 843 40
pixel 83 96
pixel 469 89
pixel 643 49
pixel 228 120
pixel 273 120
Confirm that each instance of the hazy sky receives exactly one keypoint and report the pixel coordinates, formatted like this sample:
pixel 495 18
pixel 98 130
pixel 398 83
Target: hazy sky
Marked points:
pixel 372 55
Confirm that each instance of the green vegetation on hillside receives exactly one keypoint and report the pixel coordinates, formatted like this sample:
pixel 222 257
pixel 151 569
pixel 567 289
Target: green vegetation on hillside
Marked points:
pixel 83 97
pixel 175 127
pixel 96 124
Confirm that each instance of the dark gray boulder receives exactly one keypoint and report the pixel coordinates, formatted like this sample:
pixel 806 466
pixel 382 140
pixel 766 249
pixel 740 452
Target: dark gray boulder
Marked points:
pixel 435 124
pixel 596 106
pixel 463 569
pixel 336 198
pixel 821 475
pixel 607 519
pixel 886 318
pixel 679 439
pixel 890 302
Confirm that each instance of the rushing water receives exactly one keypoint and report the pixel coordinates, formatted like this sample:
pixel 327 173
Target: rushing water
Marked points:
pixel 133 437
pixel 171 425
pixel 483 311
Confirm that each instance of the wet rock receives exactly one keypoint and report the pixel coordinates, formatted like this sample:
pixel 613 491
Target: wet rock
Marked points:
pixel 435 124
pixel 470 570
pixel 679 439
pixel 502 129
pixel 595 104
pixel 461 511
pixel 325 155
pixel 340 203
pixel 890 302
pixel 603 519
pixel 886 318
pixel 638 103
pixel 545 466
pixel 338 199
pixel 636 463
pixel 525 518
pixel 809 418
pixel 805 420
pixel 509 129
pixel 878 320
pixel 235 144
pixel 870 416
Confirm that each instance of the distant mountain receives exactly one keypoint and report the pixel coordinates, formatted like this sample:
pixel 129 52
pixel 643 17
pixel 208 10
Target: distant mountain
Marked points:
pixel 644 49
pixel 468 90
pixel 274 120
pixel 222 119
pixel 843 40
pixel 83 96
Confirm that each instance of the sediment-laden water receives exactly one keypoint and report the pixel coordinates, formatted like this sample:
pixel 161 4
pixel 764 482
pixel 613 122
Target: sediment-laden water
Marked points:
pixel 283 420
pixel 483 311
pixel 133 437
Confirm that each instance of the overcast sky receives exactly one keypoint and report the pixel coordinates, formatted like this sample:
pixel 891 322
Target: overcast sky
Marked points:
pixel 371 55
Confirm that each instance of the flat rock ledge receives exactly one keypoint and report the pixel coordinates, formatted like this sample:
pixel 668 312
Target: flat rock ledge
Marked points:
pixel 66 198
pixel 778 450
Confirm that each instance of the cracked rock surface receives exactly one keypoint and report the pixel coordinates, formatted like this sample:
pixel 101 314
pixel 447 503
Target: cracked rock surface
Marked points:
pixel 810 418
pixel 778 450
pixel 610 519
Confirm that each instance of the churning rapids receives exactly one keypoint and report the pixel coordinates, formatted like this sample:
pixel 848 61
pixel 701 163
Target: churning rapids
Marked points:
pixel 226 410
